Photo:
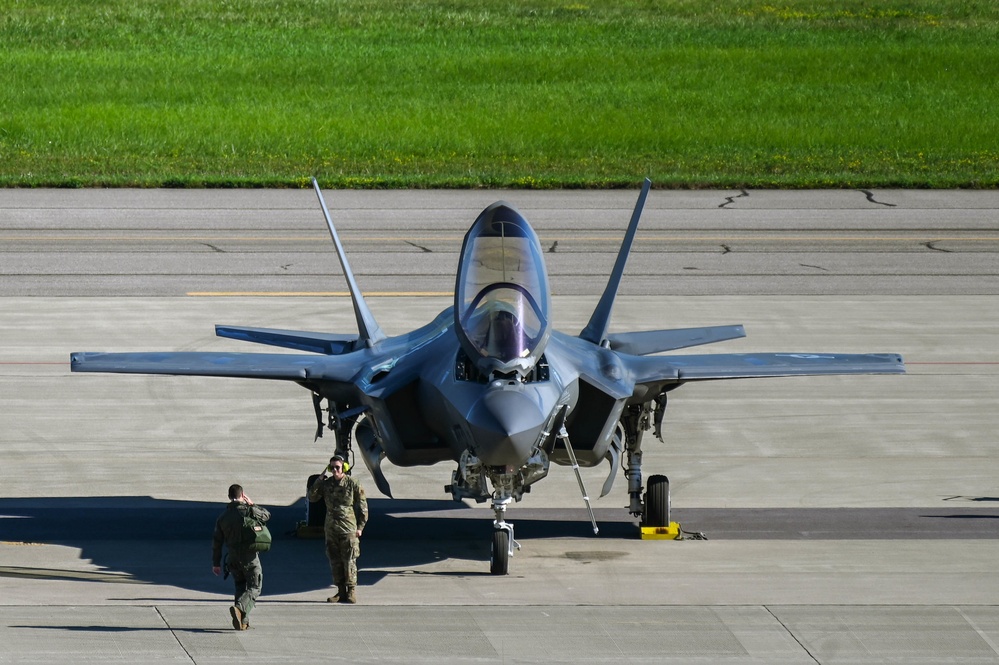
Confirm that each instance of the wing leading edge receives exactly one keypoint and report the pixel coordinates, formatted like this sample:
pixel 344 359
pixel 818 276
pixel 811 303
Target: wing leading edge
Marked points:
pixel 710 367
pixel 287 367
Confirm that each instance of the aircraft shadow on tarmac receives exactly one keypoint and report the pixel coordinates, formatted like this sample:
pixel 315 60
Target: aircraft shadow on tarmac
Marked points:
pixel 142 540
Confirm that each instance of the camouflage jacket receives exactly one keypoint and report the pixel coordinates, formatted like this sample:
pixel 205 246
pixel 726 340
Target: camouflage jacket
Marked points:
pixel 227 531
pixel 346 505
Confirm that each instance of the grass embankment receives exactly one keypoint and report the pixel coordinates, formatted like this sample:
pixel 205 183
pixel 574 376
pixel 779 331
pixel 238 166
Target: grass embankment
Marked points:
pixel 404 93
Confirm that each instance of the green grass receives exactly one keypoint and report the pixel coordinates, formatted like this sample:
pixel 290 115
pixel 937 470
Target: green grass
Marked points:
pixel 473 93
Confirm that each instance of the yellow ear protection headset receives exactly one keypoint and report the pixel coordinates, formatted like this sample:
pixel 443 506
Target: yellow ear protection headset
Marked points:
pixel 346 466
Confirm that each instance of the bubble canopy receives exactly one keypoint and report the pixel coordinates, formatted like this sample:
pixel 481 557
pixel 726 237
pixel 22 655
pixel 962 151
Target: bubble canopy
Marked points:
pixel 501 296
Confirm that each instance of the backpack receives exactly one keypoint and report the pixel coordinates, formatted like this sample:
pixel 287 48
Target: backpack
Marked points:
pixel 254 535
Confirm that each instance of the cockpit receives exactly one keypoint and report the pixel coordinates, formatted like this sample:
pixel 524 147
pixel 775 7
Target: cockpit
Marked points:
pixel 502 296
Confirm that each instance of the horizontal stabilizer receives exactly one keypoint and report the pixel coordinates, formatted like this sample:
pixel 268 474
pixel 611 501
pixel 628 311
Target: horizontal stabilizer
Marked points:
pixel 330 344
pixel 657 341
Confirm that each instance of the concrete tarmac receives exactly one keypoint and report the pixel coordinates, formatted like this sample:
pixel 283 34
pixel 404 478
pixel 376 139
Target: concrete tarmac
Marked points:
pixel 848 519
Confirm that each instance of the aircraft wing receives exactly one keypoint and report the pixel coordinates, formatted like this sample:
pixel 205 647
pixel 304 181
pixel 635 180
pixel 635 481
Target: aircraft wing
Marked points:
pixel 718 366
pixel 288 367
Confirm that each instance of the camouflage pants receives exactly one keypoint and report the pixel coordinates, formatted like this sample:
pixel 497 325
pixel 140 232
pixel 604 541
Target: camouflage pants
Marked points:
pixel 248 577
pixel 342 551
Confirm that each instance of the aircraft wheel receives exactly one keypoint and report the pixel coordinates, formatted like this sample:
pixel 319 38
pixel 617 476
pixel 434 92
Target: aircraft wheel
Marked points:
pixel 499 560
pixel 657 501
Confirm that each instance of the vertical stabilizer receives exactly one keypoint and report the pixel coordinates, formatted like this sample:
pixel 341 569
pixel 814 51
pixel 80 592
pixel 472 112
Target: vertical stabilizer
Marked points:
pixel 596 330
pixel 367 327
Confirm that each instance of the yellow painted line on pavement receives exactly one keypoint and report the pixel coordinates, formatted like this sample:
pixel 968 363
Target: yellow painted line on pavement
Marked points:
pixel 324 294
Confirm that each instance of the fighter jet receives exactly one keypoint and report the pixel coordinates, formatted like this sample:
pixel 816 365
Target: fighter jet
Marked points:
pixel 488 385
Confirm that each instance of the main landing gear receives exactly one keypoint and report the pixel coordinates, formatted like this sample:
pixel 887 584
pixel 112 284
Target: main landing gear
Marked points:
pixel 656 502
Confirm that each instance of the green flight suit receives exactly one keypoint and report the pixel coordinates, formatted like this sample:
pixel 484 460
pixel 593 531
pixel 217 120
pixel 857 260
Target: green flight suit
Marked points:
pixel 346 514
pixel 243 564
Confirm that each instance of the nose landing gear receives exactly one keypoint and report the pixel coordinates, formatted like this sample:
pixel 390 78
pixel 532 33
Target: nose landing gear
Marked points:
pixel 503 541
pixel 503 545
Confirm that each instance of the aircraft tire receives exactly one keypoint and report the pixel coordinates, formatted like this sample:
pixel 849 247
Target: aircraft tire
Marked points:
pixel 657 501
pixel 499 560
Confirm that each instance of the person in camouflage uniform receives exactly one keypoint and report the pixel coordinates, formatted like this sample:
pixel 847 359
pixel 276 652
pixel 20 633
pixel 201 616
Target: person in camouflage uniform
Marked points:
pixel 346 516
pixel 242 563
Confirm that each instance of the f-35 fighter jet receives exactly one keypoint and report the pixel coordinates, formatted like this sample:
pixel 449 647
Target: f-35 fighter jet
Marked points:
pixel 488 385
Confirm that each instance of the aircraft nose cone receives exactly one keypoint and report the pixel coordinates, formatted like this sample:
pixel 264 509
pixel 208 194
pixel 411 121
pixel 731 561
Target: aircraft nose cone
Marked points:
pixel 505 424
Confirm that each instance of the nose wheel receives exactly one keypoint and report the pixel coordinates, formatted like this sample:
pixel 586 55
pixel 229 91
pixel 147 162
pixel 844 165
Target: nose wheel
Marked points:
pixel 502 549
pixel 499 559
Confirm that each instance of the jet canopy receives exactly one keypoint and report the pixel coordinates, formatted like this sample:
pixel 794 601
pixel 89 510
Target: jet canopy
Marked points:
pixel 501 295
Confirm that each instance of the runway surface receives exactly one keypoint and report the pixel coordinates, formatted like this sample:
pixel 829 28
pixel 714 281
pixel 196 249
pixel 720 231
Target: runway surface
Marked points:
pixel 848 519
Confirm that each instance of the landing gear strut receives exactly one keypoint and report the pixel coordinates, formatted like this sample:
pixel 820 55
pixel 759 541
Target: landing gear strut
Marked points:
pixel 503 540
pixel 471 480
pixel 635 422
